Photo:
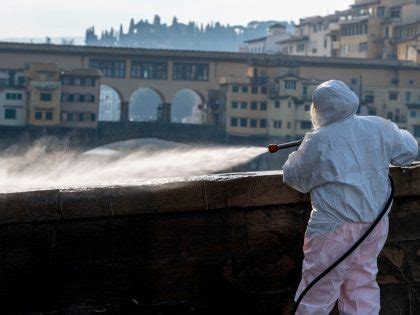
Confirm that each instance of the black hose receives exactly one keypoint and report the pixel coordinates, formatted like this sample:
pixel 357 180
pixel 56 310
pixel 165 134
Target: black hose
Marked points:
pixel 351 250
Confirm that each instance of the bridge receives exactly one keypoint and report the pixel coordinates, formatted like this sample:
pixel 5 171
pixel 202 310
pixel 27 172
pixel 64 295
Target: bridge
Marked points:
pixel 128 71
pixel 110 132
pixel 206 245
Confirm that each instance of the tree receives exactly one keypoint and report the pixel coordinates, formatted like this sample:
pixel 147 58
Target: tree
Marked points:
pixel 156 20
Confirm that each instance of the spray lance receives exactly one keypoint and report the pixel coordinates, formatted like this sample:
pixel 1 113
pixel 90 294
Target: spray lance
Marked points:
pixel 273 148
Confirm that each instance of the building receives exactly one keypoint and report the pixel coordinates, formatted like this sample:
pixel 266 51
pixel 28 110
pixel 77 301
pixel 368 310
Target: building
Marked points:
pixel 13 98
pixel 80 98
pixel 280 107
pixel 268 44
pixel 44 90
pixel 314 36
pixel 369 29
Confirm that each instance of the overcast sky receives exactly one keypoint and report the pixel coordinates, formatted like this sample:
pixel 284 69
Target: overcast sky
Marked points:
pixel 40 18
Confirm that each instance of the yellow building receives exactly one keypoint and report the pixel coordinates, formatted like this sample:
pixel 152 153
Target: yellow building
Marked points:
pixel 80 98
pixel 387 89
pixel 44 90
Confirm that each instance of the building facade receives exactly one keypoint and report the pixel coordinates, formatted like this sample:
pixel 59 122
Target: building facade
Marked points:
pixel 79 98
pixel 13 98
pixel 44 94
pixel 386 89
pixel 268 44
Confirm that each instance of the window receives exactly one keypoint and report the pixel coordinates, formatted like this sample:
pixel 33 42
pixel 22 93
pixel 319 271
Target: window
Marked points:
pixel 244 89
pixel 90 81
pixel 234 122
pixel 307 107
pixel 395 13
pixel 305 125
pixel 263 106
pixel 92 117
pixel 13 96
pixel 363 47
pixel 305 91
pixel 289 125
pixel 277 124
pixel 90 98
pixel 254 105
pixel 393 96
pixel 48 115
pixel 244 122
pixel 413 114
pixel 190 71
pixel 38 115
pixel 325 43
pixel 407 96
pixel 277 104
pixel 234 105
pixel 45 97
pixel 300 47
pixel 253 123
pixel 153 70
pixel 380 12
pixel 9 113
pixel 290 84
pixel 353 81
pixel 417 131
pixel 82 98
pixel 64 116
pixel 372 112
pixel 235 89
pixel 263 123
pixel 263 90
pixel 109 68
pixel 254 90
pixel 289 104
pixel 244 105
pixel 369 99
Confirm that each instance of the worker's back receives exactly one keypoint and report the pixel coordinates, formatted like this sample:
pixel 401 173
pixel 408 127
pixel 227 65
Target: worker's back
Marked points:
pixel 345 162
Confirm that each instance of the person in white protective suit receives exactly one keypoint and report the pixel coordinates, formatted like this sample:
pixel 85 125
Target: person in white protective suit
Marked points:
pixel 344 164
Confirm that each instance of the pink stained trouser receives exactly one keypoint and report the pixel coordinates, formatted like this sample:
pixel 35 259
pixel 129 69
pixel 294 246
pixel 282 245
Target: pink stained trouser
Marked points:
pixel 353 282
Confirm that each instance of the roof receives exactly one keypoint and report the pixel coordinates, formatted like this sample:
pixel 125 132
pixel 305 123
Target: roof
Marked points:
pixel 290 60
pixel 81 72
pixel 358 5
pixel 122 52
pixel 255 40
pixel 294 39
pixel 353 20
pixel 278 25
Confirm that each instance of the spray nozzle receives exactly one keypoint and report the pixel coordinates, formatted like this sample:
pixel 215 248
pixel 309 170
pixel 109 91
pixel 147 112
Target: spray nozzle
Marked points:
pixel 273 148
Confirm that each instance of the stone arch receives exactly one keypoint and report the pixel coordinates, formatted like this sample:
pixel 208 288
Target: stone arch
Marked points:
pixel 188 106
pixel 110 100
pixel 144 104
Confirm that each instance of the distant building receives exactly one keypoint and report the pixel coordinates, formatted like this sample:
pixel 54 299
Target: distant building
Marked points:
pixel 314 36
pixel 380 29
pixel 13 98
pixel 44 88
pixel 80 98
pixel 273 99
pixel 268 44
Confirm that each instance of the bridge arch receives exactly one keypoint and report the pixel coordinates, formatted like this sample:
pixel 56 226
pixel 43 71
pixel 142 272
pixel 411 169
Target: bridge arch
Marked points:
pixel 144 104
pixel 110 100
pixel 188 106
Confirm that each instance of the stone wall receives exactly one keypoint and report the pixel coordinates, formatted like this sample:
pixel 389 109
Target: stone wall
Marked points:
pixel 202 245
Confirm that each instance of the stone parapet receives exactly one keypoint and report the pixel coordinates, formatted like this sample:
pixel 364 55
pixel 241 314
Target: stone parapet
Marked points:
pixel 228 242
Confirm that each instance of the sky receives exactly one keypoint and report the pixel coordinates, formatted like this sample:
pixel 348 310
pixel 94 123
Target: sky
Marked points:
pixel 55 18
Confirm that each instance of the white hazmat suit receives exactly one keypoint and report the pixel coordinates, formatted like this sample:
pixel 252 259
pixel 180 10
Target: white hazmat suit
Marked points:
pixel 344 164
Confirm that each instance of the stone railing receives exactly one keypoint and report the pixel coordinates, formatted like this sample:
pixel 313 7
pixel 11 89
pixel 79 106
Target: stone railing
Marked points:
pixel 208 244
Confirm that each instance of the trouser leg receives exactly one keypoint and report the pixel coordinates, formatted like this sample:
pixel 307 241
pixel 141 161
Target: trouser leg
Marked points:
pixel 360 292
pixel 320 252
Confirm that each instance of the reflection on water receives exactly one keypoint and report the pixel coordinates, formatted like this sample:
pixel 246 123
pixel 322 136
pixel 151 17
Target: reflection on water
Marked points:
pixel 121 163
